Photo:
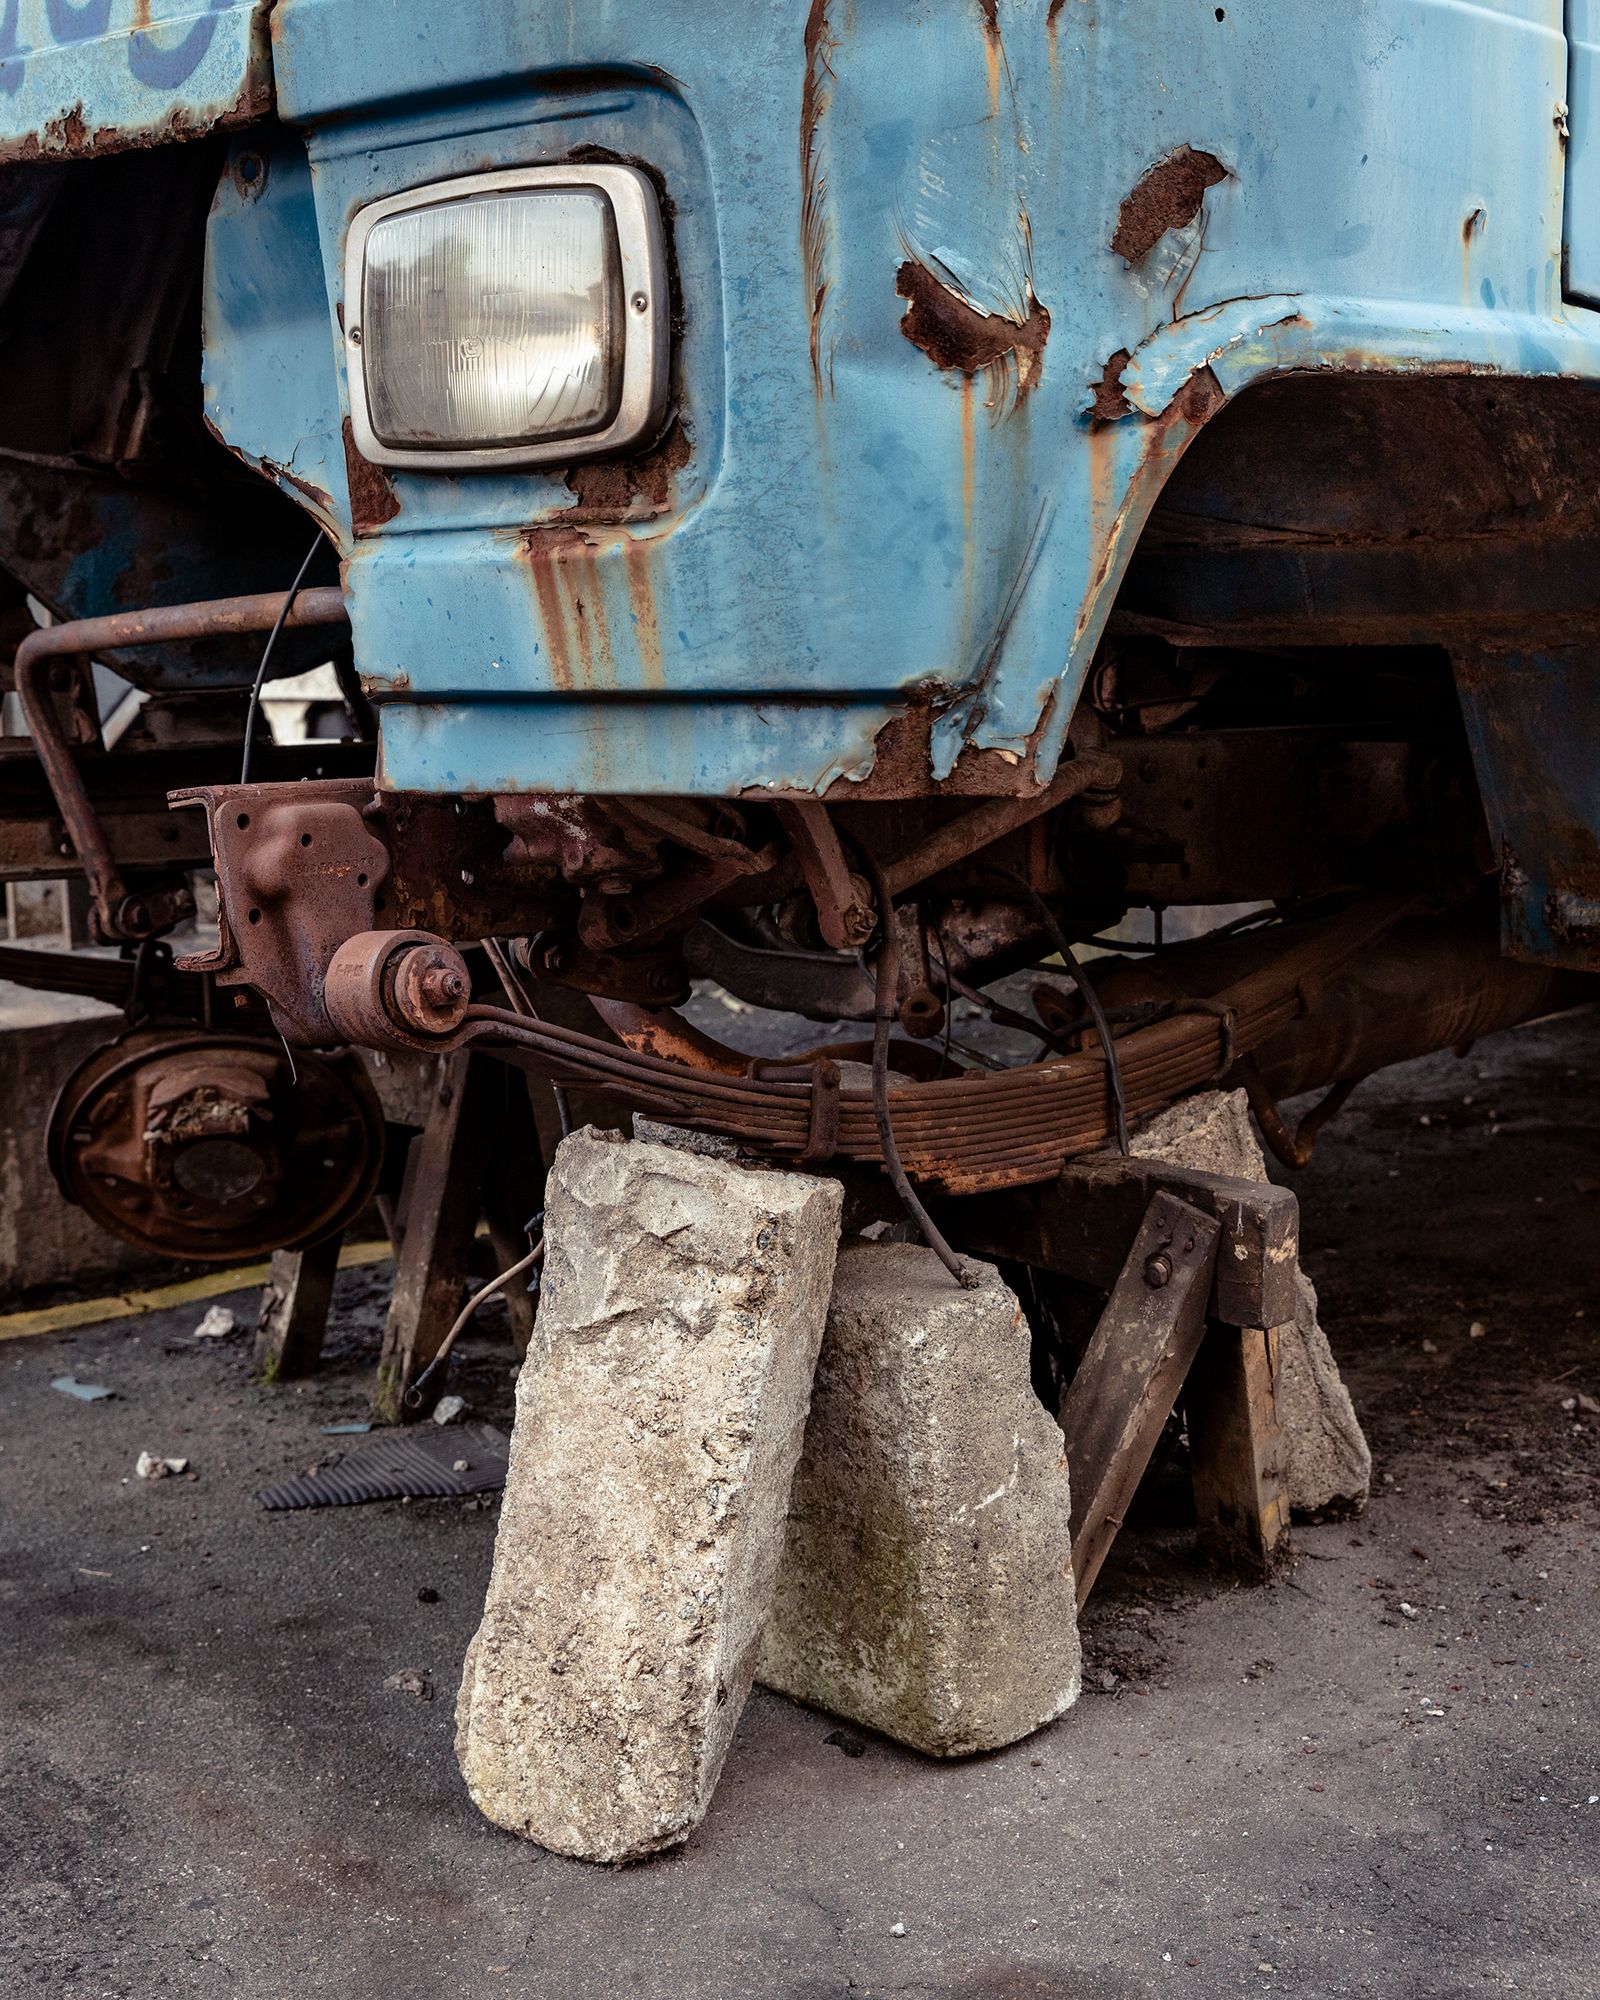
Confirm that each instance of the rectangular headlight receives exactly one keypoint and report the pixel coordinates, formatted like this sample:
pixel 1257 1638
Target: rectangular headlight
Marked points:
pixel 507 319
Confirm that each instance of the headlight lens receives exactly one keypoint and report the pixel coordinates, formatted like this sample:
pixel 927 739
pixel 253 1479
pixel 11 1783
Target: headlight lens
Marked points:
pixel 507 319
pixel 492 321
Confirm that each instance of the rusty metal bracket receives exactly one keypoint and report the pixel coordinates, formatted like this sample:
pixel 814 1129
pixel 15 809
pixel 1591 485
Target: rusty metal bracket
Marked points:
pixel 1291 1148
pixel 298 873
pixel 842 898
pixel 119 916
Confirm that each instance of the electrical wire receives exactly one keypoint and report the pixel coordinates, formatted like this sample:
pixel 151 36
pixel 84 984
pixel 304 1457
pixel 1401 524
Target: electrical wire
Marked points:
pixel 883 1013
pixel 414 1396
pixel 260 681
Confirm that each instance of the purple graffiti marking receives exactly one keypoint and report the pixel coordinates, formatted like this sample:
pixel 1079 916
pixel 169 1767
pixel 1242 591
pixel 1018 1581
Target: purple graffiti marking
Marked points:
pixel 13 60
pixel 77 20
pixel 165 69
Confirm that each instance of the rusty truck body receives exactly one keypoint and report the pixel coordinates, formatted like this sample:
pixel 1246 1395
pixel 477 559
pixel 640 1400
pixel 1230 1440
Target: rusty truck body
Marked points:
pixel 843 498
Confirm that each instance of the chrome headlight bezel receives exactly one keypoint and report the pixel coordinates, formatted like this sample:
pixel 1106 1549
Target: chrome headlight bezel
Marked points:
pixel 641 401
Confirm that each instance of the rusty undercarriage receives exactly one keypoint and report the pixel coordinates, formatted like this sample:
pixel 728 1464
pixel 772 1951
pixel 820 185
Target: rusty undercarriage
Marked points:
pixel 414 923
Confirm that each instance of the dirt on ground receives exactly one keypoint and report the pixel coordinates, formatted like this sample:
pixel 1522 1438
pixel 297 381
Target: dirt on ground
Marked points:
pixel 1378 1776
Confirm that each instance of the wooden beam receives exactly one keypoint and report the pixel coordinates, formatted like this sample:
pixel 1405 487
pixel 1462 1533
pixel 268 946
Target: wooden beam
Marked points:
pixel 294 1311
pixel 1076 1224
pixel 445 1176
pixel 1236 1447
pixel 1130 1376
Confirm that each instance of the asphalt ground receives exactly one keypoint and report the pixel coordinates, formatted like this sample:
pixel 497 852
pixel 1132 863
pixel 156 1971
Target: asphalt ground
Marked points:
pixel 1377 1776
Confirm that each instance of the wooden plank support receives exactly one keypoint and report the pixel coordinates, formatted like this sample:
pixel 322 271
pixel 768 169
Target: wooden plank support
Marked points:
pixel 513 1192
pixel 445 1176
pixel 294 1311
pixel 1133 1369
pixel 1236 1447
pixel 1075 1226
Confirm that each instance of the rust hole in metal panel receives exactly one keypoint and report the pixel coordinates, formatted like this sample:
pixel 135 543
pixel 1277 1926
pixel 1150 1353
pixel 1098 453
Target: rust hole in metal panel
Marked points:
pixel 613 489
pixel 372 495
pixel 956 335
pixel 1110 400
pixel 1166 196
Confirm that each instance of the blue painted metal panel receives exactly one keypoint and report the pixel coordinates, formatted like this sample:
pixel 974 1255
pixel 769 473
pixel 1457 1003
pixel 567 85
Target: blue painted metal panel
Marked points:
pixel 1583 150
pixel 91 76
pixel 858 529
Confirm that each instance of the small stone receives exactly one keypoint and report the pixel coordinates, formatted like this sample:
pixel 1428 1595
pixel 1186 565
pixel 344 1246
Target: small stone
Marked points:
pixel 218 1323
pixel 411 1680
pixel 1408 1610
pixel 897 1930
pixel 1477 1330
pixel 447 1409
pixel 149 1466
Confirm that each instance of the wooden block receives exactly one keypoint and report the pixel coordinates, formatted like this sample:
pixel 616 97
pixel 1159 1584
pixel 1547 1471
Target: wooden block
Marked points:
pixel 1134 1367
pixel 1077 1225
pixel 513 1192
pixel 294 1311
pixel 445 1176
pixel 1236 1447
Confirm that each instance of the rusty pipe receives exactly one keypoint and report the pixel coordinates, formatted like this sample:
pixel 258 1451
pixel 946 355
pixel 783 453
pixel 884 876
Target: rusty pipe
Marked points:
pixel 118 915
pixel 1427 986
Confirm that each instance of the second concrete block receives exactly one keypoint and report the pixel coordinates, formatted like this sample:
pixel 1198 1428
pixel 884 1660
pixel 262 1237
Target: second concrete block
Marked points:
pixel 926 1588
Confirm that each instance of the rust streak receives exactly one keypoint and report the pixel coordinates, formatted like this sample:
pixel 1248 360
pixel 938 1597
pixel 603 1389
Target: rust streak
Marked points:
pixel 549 549
pixel 956 335
pixel 815 97
pixel 992 51
pixel 646 623
pixel 968 508
pixel 1166 196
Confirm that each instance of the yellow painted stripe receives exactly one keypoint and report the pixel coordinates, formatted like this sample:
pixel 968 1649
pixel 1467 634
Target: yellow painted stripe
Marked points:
pixel 128 1305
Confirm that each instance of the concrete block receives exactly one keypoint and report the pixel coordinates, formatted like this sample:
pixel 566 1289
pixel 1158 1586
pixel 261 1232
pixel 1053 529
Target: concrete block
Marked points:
pixel 1327 1463
pixel 659 1416
pixel 926 1587
pixel 45 1240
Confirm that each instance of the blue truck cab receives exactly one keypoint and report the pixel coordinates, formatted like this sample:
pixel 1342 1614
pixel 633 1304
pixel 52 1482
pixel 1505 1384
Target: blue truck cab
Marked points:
pixel 1029 460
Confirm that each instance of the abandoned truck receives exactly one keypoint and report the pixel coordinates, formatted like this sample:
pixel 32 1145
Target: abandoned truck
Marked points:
pixel 847 501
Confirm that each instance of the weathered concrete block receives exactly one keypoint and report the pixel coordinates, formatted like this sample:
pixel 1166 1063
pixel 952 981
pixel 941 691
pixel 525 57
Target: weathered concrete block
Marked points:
pixel 926 1587
pixel 1326 1458
pixel 44 1239
pixel 660 1411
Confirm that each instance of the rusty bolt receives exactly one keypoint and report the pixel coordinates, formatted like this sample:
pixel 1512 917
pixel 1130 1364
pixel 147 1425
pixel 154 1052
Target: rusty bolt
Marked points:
pixel 1158 1270
pixel 859 916
pixel 428 989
